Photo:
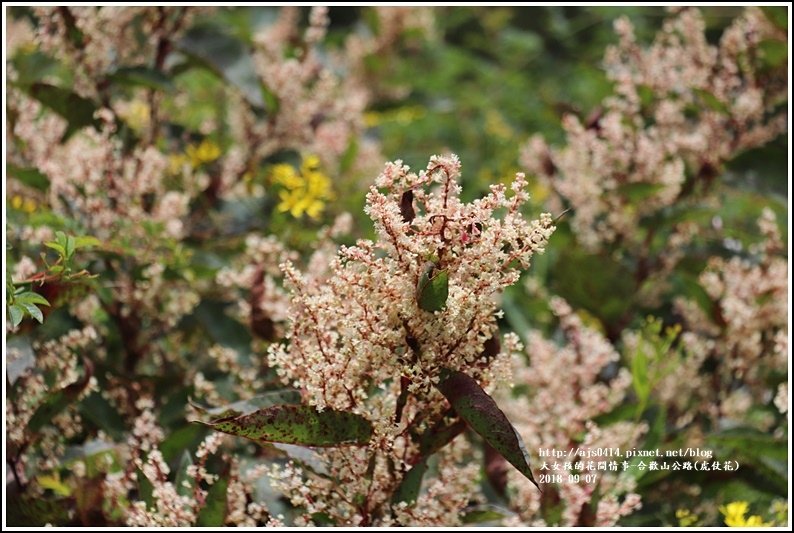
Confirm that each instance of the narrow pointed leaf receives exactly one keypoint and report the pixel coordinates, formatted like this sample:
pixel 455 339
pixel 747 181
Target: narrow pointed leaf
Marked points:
pixel 480 411
pixel 31 298
pixel 213 514
pixel 33 311
pixel 297 424
pixel 411 484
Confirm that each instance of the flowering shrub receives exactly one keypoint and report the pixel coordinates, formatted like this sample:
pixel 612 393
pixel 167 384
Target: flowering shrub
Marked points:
pixel 223 309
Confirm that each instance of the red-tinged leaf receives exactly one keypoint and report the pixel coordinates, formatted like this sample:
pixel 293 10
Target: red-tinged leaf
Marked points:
pixel 480 411
pixel 407 206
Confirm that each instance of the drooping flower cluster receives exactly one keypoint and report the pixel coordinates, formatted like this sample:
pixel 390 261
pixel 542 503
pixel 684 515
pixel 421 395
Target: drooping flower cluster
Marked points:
pixel 746 327
pixel 312 109
pixel 37 374
pixel 94 41
pixel 566 392
pixel 681 108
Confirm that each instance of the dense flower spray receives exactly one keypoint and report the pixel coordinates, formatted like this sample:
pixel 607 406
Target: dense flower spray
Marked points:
pixel 374 334
pixel 681 108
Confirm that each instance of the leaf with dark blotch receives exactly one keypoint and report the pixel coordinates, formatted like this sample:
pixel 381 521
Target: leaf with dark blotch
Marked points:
pixel 407 206
pixel 297 424
pixel 433 288
pixel 480 411
pixel 411 484
pixel 58 401
pixel 78 111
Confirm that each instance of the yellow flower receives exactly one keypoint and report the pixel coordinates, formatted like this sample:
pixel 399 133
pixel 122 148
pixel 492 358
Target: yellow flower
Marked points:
pixel 176 162
pixel 206 152
pixel 136 113
pixel 304 191
pixel 28 205
pixel 735 513
pixel 686 518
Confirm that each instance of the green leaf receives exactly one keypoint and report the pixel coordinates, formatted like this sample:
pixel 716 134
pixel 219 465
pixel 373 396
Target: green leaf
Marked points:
pixel 57 247
pixel 69 247
pixel 16 313
pixel 433 288
pixel 777 15
pixel 181 475
pixel 349 155
pixel 33 311
pixel 637 192
pixel 213 514
pixel 29 176
pixel 58 401
pixel 99 411
pixel 482 514
pixel 26 510
pixel 639 375
pixel 227 57
pixel 480 411
pixel 297 424
pixel 86 241
pixel 32 298
pixel 322 519
pixel 711 101
pixel 774 53
pixel 185 437
pixel 78 111
pixel 141 76
pixel 408 489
